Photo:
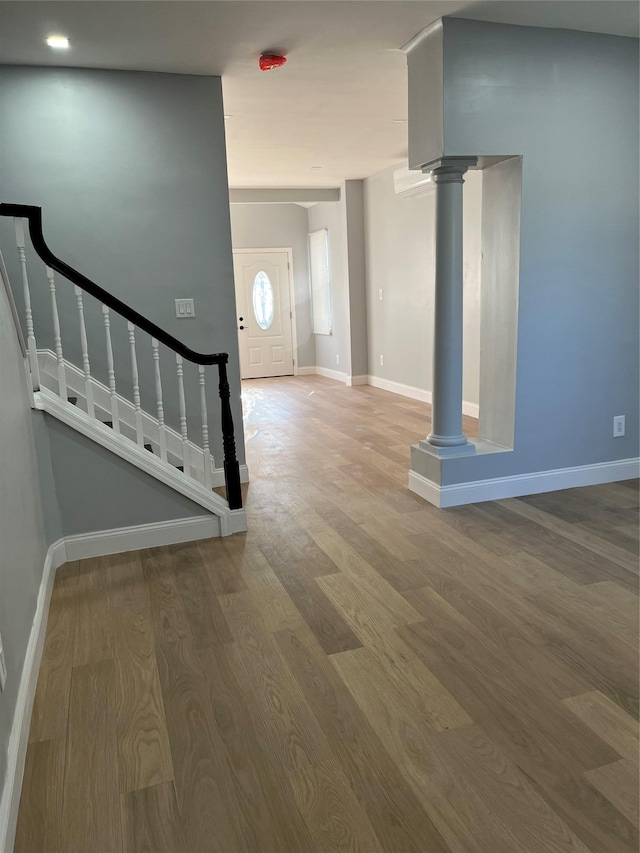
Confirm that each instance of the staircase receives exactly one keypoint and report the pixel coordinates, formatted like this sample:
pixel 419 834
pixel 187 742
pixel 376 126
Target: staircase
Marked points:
pixel 107 414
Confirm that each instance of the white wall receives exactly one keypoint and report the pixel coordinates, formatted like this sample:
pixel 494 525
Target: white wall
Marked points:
pixel 266 226
pixel 400 239
pixel 23 544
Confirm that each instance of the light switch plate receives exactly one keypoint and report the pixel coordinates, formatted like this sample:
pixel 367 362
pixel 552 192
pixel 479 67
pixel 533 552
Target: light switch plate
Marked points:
pixel 185 309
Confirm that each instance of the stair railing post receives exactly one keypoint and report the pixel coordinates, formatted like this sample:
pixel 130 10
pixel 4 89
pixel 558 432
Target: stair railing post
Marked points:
pixel 206 453
pixel 111 373
pixel 136 384
pixel 32 348
pixel 183 416
pixel 162 432
pixel 230 464
pixel 86 367
pixel 57 337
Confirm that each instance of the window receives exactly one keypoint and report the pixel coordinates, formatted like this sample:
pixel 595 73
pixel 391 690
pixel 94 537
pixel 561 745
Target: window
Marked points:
pixel 320 281
pixel 263 300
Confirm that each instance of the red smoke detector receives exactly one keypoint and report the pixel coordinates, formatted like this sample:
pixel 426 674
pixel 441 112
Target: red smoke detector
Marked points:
pixel 271 60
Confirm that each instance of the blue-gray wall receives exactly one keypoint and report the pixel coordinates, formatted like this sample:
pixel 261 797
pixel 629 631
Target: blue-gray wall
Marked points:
pixel 23 543
pixel 130 170
pixel 568 102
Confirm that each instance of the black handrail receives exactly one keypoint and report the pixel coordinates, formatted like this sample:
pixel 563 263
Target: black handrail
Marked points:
pixel 231 467
pixel 34 215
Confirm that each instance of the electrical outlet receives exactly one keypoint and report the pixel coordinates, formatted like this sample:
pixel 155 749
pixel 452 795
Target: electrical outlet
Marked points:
pixel 618 426
pixel 337 359
pixel 185 309
pixel 3 667
pixel 381 361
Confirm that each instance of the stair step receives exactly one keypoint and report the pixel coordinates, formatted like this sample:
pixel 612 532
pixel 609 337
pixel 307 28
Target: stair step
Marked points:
pixel 180 467
pixel 108 423
pixel 149 447
pixel 72 400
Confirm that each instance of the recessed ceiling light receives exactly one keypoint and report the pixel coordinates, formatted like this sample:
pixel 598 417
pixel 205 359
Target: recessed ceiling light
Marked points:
pixel 59 42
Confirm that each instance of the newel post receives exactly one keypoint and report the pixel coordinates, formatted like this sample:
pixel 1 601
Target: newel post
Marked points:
pixel 230 464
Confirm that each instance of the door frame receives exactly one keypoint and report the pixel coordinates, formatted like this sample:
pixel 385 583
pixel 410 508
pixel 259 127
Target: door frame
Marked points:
pixel 292 295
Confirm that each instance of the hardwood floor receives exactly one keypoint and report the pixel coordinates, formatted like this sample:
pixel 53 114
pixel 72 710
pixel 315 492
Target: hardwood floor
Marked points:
pixel 359 672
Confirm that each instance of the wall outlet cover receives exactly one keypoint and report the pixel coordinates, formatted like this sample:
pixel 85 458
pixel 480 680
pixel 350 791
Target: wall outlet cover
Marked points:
pixel 618 426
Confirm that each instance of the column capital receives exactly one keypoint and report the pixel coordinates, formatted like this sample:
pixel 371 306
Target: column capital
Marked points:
pixel 449 168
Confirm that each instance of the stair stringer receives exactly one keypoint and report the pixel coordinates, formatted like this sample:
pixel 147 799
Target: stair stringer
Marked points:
pixel 231 521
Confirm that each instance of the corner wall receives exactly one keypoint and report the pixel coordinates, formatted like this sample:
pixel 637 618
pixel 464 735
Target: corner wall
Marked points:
pixel 568 102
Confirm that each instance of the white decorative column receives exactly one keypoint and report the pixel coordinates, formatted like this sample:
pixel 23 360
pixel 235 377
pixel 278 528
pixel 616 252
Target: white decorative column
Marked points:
pixel 446 435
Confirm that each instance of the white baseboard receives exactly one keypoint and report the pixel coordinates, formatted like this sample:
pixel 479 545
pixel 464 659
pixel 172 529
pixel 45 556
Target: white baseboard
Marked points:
pixel 18 739
pixel 331 374
pixel 357 380
pixel 398 388
pixel 472 410
pixel 522 484
pixel 139 536
pixel 305 371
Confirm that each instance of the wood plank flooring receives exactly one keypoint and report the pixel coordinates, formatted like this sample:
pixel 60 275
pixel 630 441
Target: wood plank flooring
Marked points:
pixel 359 672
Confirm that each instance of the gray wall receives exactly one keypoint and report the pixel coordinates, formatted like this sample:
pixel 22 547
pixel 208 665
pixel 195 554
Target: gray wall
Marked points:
pixel 97 490
pixel 23 544
pixel 264 226
pixel 568 102
pixel 330 215
pixel 353 211
pixel 501 203
pixel 130 170
pixel 424 58
pixel 400 239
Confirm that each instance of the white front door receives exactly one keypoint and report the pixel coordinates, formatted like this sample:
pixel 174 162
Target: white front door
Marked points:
pixel 263 313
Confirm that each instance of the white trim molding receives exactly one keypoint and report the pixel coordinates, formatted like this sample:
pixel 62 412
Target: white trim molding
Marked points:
pixel 306 371
pixel 472 410
pixel 515 486
pixel 357 380
pixel 331 374
pixel 121 539
pixel 17 749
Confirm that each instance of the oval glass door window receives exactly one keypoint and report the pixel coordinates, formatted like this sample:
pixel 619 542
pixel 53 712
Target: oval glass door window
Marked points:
pixel 263 300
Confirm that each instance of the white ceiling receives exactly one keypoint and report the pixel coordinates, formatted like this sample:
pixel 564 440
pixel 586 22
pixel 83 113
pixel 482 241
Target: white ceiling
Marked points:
pixel 335 104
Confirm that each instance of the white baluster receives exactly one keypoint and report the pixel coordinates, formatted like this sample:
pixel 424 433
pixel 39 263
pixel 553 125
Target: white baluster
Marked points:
pixel 206 454
pixel 57 337
pixel 136 384
pixel 86 367
pixel 160 406
pixel 31 339
pixel 111 371
pixel 183 416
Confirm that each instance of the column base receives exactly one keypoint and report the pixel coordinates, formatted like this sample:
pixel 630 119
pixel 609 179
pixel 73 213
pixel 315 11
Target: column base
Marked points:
pixel 466 448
